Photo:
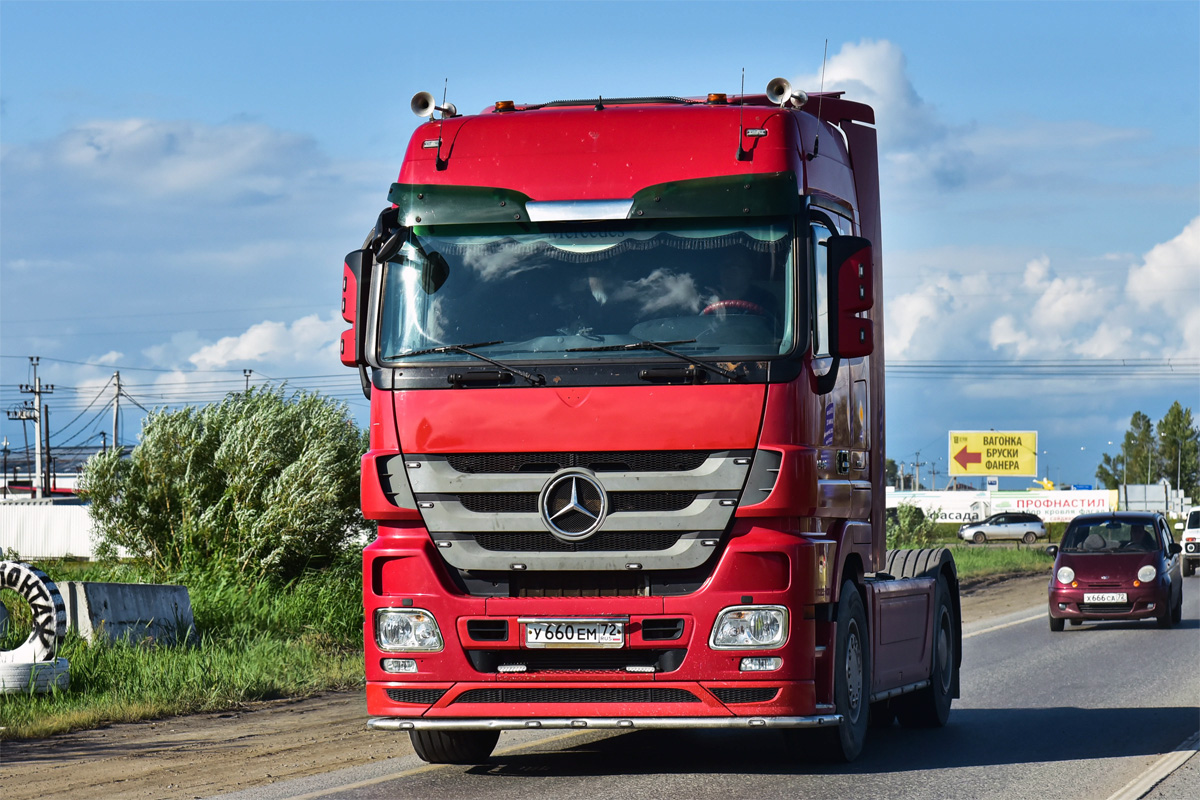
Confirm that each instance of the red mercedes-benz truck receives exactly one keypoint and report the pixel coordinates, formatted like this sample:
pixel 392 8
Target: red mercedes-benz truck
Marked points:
pixel 624 358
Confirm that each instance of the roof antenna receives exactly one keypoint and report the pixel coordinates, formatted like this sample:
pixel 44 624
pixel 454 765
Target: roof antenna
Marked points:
pixel 820 98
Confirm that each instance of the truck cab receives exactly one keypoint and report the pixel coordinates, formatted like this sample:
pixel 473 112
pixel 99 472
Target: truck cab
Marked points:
pixel 625 365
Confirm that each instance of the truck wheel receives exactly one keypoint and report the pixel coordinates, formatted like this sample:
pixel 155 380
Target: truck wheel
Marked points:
pixel 1189 567
pixel 930 707
pixel 979 538
pixel 851 688
pixel 454 747
pixel 1057 625
pixel 1029 538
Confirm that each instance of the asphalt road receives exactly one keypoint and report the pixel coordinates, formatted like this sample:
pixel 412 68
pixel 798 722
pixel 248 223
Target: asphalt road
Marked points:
pixel 1080 714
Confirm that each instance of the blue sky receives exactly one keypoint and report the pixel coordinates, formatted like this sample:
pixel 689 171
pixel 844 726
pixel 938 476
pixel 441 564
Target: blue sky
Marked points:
pixel 179 182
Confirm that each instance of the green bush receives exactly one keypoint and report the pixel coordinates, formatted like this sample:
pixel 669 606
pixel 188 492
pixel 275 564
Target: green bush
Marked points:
pixel 911 528
pixel 260 484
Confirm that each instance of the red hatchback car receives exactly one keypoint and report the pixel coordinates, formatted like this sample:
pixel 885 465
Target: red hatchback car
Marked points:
pixel 1118 566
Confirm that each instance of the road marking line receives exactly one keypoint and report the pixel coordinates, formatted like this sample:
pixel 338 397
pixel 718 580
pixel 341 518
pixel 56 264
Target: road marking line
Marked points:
pixel 1159 770
pixel 430 767
pixel 1005 625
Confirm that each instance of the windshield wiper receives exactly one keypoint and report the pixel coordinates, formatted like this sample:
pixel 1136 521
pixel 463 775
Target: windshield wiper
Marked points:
pixel 466 349
pixel 662 348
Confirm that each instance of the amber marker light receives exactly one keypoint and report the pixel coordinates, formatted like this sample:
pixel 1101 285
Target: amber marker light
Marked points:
pixel 717 98
pixel 506 105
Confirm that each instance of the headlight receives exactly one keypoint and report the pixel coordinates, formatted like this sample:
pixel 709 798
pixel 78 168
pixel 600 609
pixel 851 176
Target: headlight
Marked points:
pixel 750 628
pixel 407 629
pixel 1065 575
pixel 1147 573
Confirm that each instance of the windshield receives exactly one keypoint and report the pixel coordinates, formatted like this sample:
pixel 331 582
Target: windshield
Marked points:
pixel 1108 536
pixel 538 291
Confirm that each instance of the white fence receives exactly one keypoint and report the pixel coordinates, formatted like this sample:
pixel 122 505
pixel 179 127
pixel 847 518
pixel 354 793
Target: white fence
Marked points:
pixel 39 529
pixel 973 506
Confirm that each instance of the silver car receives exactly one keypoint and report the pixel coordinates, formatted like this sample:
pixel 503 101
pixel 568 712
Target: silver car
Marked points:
pixel 1010 525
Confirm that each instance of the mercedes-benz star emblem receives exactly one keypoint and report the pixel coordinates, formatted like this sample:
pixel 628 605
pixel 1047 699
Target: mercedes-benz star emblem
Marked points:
pixel 573 505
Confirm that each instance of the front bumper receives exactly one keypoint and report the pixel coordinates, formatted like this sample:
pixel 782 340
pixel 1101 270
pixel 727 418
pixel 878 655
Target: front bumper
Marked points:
pixel 602 723
pixel 1142 603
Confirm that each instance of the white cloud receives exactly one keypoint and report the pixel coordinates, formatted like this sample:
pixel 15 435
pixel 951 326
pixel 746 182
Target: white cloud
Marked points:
pixel 1169 275
pixel 921 150
pixel 1150 310
pixel 274 342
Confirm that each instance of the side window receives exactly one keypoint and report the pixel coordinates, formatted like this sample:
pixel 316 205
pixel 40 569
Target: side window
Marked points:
pixel 819 291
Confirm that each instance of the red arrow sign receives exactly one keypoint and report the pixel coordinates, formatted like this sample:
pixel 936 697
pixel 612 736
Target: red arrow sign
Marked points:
pixel 964 458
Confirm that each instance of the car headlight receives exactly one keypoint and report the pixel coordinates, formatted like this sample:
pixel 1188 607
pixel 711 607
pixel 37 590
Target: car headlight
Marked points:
pixel 407 629
pixel 1065 575
pixel 750 628
pixel 1147 573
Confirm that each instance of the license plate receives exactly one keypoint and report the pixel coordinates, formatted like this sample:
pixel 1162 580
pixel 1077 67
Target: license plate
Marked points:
pixel 574 633
pixel 1105 597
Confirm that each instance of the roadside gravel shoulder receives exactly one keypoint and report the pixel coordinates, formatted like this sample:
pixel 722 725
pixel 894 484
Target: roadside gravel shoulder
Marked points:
pixel 207 754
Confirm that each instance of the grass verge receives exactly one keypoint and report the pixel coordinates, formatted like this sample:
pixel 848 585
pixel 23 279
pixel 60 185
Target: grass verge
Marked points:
pixel 255 642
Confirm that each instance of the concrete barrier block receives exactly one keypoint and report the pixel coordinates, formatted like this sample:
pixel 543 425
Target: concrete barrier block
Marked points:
pixel 135 612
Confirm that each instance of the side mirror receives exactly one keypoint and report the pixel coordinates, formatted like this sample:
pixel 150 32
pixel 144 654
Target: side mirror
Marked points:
pixel 1175 549
pixel 356 289
pixel 1052 550
pixel 1178 526
pixel 852 287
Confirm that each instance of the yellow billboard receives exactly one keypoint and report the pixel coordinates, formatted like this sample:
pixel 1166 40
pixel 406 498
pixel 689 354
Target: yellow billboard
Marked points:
pixel 993 453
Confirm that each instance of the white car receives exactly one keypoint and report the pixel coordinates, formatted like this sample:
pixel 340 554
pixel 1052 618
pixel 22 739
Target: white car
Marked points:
pixel 1028 528
pixel 1190 539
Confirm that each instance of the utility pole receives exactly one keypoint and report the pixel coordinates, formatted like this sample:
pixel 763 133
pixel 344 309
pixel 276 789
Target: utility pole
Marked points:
pixel 33 411
pixel 116 406
pixel 6 451
pixel 46 487
pixel 247 372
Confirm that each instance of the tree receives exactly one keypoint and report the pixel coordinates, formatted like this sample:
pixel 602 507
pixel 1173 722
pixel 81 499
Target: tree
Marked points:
pixel 1151 452
pixel 1179 448
pixel 891 473
pixel 260 483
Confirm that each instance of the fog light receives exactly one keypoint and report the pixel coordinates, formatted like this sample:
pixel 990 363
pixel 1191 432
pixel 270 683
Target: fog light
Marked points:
pixel 760 664
pixel 750 628
pixel 399 665
pixel 407 629
pixel 1150 606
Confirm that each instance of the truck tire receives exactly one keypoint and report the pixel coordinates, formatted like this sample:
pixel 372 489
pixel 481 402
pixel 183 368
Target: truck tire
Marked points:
pixel 47 608
pixel 35 676
pixel 851 688
pixel 929 562
pixel 454 747
pixel 1189 567
pixel 930 707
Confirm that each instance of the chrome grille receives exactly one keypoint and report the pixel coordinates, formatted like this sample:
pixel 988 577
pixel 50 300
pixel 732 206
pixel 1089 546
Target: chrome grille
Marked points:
pixel 539 542
pixel 607 461
pixel 580 695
